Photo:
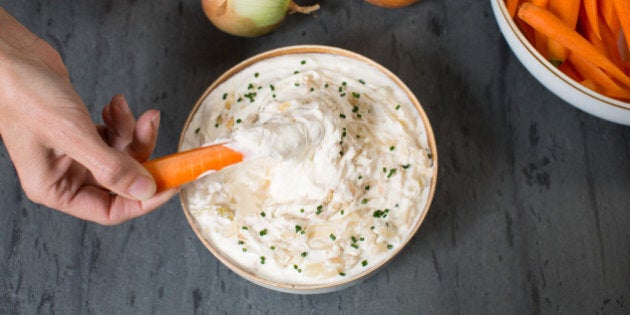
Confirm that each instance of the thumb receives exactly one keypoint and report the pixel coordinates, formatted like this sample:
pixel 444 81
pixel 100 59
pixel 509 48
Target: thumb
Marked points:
pixel 115 170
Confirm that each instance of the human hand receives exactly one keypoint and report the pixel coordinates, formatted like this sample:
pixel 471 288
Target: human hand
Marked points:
pixel 63 160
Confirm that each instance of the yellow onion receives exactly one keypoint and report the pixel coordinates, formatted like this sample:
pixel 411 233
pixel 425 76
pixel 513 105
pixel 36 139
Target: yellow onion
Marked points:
pixel 392 3
pixel 250 18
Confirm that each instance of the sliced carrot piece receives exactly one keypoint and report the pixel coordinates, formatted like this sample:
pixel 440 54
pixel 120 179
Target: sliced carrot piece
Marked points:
pixel 568 69
pixel 607 8
pixel 623 12
pixel 511 5
pixel 567 11
pixel 541 40
pixel 541 3
pixel 590 34
pixel 588 83
pixel 589 71
pixel 180 168
pixel 552 27
pixel 590 7
pixel 610 40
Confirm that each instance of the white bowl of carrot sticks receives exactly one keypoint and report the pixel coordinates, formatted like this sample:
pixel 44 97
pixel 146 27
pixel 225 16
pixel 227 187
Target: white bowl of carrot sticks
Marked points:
pixel 578 49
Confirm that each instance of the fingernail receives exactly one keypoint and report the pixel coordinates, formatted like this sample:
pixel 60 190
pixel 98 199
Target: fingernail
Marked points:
pixel 155 120
pixel 142 188
pixel 121 103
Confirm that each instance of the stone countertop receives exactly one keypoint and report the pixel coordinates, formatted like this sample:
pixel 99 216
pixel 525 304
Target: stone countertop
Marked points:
pixel 531 213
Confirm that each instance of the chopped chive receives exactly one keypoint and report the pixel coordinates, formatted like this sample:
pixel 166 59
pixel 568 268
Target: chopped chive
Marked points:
pixel 364 201
pixel 378 214
pixel 333 237
pixel 303 62
pixel 256 75
pixel 272 247
pixel 342 116
pixel 354 239
pixel 245 228
pixel 263 232
pixel 263 214
pixel 340 89
pixel 356 95
pixel 390 246
pixel 429 155
pixel 302 210
pixel 362 239
pixel 384 169
pixel 342 212
pixel 312 89
pixel 325 85
pixel 372 227
pixel 342 274
pixel 303 254
pixel 364 263
pixel 262 260
pixel 296 72
pixel 392 148
pixel 367 187
pixel 319 209
pixel 392 172
pixel 298 229
pixel 216 125
pixel 354 245
pixel 197 130
pixel 224 96
pixel 361 81
pixel 244 249
pixel 355 109
pixel 397 107
pixel 273 88
pixel 238 121
pixel 250 86
pixel 295 267
pixel 296 84
pixel 273 95
pixel 344 83
pixel 240 99
pixel 360 177
pixel 342 94
pixel 240 242
pixel 406 166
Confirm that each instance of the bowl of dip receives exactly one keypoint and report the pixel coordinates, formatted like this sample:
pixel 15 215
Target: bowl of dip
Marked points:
pixel 339 172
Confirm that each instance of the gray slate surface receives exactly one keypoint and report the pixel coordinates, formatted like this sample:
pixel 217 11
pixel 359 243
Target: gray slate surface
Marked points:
pixel 531 215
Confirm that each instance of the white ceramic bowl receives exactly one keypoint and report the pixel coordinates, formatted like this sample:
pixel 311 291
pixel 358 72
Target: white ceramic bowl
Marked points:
pixel 553 79
pixel 347 281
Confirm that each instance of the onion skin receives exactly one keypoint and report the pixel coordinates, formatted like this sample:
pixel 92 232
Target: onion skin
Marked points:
pixel 222 14
pixel 392 3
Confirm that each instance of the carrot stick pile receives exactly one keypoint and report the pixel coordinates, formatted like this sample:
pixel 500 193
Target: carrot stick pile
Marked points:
pixel 588 40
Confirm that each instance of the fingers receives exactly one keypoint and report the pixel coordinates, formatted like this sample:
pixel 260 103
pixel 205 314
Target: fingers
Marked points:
pixel 120 123
pixel 98 205
pixel 124 134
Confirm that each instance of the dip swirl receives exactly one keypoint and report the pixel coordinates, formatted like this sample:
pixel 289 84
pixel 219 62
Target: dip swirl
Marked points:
pixel 337 171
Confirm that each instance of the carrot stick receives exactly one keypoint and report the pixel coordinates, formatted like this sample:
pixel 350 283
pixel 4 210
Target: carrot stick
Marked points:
pixel 589 71
pixel 541 40
pixel 610 40
pixel 180 168
pixel 607 8
pixel 567 11
pixel 623 12
pixel 590 6
pixel 568 69
pixel 548 24
pixel 527 30
pixel 590 34
pixel 512 5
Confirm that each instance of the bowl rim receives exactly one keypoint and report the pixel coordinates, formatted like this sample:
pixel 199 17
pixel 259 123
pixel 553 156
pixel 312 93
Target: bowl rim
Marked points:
pixel 346 282
pixel 547 64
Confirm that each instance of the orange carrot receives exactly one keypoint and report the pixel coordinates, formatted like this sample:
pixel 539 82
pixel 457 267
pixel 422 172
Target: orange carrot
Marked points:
pixel 512 5
pixel 610 40
pixel 567 11
pixel 588 83
pixel 552 27
pixel 180 168
pixel 607 8
pixel 623 12
pixel 527 30
pixel 590 34
pixel 590 7
pixel 541 3
pixel 568 69
pixel 541 40
pixel 589 71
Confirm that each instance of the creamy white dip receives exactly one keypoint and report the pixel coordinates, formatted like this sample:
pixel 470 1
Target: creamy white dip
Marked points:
pixel 337 169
